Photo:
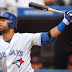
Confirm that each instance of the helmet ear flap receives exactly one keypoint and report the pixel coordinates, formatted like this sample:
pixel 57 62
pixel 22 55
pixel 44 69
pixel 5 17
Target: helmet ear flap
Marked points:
pixel 10 23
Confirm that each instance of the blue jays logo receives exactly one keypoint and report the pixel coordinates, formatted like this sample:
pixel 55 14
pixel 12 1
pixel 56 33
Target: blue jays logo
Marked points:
pixel 18 62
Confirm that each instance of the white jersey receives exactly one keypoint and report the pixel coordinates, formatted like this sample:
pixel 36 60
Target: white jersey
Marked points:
pixel 15 56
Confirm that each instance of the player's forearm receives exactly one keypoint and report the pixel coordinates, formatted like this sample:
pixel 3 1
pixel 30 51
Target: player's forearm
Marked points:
pixel 51 36
pixel 54 32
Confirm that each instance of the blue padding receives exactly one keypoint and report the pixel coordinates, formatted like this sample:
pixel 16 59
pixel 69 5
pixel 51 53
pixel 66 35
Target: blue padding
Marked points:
pixel 44 36
pixel 45 39
pixel 53 39
pixel 61 26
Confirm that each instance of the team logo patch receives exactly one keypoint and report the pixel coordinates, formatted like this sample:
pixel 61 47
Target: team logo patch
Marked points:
pixel 18 62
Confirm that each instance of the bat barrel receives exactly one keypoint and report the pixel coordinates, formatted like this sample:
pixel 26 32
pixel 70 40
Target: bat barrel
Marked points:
pixel 38 6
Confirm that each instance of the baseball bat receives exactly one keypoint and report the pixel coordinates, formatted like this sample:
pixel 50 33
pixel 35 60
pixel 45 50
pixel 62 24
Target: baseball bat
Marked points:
pixel 45 8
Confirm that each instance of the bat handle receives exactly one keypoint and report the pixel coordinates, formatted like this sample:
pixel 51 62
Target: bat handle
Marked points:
pixel 54 10
pixel 57 11
pixel 70 14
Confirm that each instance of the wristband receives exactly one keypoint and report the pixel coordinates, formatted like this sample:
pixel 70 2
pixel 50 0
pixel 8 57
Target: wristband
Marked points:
pixel 61 26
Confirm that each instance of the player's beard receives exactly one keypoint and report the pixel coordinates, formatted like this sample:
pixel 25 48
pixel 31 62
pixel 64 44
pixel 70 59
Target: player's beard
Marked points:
pixel 5 30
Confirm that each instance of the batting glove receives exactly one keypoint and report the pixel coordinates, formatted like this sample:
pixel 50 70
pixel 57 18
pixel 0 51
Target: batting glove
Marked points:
pixel 67 19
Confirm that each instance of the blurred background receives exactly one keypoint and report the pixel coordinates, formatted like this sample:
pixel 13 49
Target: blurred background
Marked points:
pixel 53 57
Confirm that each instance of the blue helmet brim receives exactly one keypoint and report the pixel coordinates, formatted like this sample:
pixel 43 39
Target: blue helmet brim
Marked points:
pixel 3 17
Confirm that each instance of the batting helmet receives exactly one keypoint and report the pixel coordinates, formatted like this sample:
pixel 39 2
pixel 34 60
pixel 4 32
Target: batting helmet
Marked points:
pixel 12 20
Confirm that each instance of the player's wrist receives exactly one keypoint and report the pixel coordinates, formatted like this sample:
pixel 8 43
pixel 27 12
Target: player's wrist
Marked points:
pixel 61 26
pixel 65 21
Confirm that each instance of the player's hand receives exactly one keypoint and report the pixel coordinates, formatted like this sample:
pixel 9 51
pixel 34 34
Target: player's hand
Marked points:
pixel 69 19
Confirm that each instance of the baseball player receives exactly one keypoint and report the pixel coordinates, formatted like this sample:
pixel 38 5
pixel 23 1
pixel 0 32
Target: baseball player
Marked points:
pixel 15 48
